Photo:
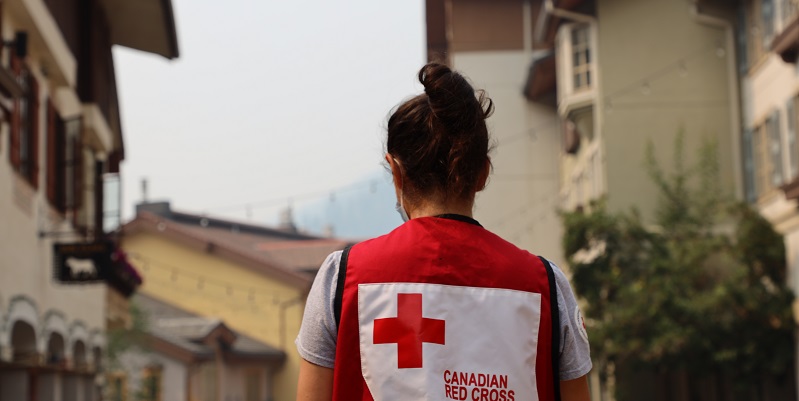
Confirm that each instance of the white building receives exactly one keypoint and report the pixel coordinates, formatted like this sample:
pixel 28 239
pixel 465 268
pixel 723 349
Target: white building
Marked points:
pixel 769 40
pixel 60 139
pixel 492 44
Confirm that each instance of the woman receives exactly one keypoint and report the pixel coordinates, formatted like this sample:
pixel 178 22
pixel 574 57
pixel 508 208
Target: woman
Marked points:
pixel 440 308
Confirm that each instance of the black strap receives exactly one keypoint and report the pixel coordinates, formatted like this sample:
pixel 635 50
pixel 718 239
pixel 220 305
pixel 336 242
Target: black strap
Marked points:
pixel 555 313
pixel 342 275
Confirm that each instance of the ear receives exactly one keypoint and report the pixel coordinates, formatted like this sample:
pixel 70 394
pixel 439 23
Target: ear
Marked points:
pixel 482 180
pixel 396 172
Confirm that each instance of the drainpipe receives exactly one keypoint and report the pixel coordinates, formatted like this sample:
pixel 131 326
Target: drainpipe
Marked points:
pixel 735 102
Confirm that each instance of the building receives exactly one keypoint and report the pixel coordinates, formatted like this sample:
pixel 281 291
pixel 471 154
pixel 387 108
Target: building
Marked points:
pixel 188 357
pixel 630 73
pixel 492 43
pixel 61 144
pixel 253 278
pixel 600 79
pixel 768 34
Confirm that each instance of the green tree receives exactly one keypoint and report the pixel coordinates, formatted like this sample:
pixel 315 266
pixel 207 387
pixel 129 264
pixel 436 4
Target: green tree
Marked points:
pixel 701 289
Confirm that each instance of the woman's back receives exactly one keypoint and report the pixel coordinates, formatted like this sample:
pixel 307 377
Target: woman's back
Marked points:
pixel 440 308
pixel 437 302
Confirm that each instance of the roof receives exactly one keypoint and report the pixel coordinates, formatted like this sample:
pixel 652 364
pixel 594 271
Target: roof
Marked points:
pixel 146 25
pixel 192 337
pixel 283 254
pixel 547 24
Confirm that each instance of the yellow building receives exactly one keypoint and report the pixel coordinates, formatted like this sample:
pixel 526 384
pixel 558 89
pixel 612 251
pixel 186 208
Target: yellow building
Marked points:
pixel 254 278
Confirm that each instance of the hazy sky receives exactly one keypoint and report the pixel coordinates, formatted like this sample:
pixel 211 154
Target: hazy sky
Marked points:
pixel 268 100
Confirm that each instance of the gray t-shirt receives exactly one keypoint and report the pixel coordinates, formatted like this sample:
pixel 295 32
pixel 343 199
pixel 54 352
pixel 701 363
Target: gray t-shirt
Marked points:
pixel 316 341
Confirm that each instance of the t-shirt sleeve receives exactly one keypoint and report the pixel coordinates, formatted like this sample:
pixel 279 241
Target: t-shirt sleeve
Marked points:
pixel 575 354
pixel 316 341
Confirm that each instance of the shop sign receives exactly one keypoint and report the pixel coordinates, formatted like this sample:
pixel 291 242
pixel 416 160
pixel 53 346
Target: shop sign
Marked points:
pixel 82 262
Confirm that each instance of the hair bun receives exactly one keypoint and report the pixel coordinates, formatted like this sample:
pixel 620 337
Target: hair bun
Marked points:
pixel 450 94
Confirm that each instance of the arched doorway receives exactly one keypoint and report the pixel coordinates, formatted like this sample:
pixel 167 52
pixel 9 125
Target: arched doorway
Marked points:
pixel 77 384
pixel 23 342
pixel 80 360
pixel 16 380
pixel 56 348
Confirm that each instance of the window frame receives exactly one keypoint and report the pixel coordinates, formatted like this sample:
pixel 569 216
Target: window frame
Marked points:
pixel 152 375
pixel 580 65
pixel 769 159
pixel 568 91
pixel 24 125
pixel 122 379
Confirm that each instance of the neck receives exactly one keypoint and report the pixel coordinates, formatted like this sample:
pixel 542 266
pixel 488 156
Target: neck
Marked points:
pixel 427 209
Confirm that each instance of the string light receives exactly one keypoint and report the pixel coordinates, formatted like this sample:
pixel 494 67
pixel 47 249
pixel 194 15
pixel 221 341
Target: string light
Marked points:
pixel 679 65
pixel 682 69
pixel 646 89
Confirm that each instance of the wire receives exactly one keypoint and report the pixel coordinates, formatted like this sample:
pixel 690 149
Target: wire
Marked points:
pixel 290 199
pixel 678 64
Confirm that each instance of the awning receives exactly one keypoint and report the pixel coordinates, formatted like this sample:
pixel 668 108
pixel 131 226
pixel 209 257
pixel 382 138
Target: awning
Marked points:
pixel 146 25
pixel 791 189
pixel 541 77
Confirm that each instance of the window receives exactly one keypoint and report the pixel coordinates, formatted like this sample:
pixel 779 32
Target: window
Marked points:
pixel 151 384
pixel 24 138
pixel 64 161
pixel 117 387
pixel 208 388
pixel 789 9
pixel 748 150
pixel 775 148
pixel 253 385
pixel 767 151
pixel 791 114
pixel 581 57
pixel 575 61
pixel 759 28
pixel 767 21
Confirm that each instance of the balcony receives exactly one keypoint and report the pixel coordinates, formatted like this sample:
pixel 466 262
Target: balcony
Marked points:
pixel 786 40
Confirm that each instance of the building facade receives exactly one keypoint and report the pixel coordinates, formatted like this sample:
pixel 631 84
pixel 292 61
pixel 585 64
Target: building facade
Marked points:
pixel 60 141
pixel 253 278
pixel 601 79
pixel 768 36
pixel 186 357
pixel 618 92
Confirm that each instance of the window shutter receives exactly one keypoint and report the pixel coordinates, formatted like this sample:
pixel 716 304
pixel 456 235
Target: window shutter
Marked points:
pixel 79 173
pixel 51 156
pixel 13 151
pixel 793 147
pixel 775 148
pixel 99 209
pixel 14 140
pixel 33 116
pixel 749 166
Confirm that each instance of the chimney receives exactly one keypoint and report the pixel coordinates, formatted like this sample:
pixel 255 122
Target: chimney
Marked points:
pixel 286 221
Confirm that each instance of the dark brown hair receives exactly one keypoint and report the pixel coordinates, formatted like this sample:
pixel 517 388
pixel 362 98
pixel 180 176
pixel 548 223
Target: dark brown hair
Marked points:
pixel 440 137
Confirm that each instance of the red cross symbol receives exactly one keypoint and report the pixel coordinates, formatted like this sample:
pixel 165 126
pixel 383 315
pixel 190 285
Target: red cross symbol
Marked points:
pixel 409 330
